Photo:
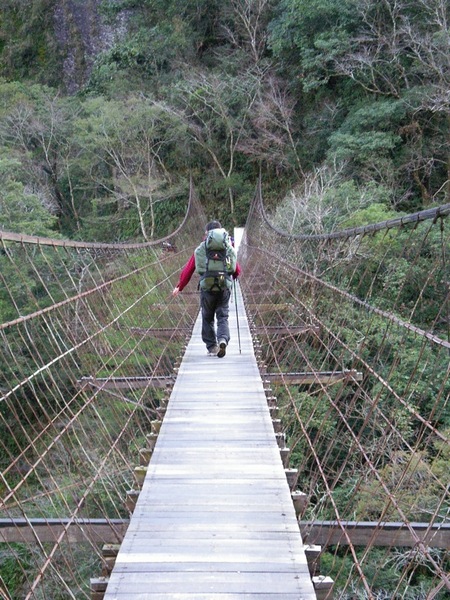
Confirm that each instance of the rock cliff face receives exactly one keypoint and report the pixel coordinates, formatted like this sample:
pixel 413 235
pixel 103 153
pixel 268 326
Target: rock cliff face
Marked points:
pixel 82 33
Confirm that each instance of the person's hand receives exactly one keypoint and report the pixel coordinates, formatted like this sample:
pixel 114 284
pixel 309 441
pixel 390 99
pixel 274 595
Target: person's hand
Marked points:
pixel 176 291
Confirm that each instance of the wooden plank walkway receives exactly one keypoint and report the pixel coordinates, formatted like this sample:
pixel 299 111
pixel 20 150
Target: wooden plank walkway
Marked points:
pixel 214 519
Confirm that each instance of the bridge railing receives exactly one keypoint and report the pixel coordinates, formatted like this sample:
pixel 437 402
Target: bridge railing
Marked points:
pixel 353 335
pixel 80 323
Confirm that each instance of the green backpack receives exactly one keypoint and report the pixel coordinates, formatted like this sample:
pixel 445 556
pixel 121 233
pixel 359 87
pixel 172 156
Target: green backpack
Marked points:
pixel 215 261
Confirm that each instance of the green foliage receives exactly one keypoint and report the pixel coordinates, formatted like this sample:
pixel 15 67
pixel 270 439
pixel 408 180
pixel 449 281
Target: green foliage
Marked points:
pixel 378 96
pixel 21 211
pixel 219 123
pixel 163 38
pixel 410 481
pixel 28 47
pixel 368 135
pixel 92 162
pixel 441 460
pixel 364 146
pixel 14 562
pixel 315 413
pixel 310 35
pixel 131 149
pixel 376 212
pixel 397 271
pixel 148 54
pixel 382 115
pixel 36 127
pixel 327 201
pixel 383 570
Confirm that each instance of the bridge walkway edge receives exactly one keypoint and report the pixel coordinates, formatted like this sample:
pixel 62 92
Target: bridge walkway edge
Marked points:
pixel 215 518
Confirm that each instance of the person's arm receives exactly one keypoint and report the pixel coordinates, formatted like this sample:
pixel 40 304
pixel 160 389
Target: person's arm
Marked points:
pixel 185 276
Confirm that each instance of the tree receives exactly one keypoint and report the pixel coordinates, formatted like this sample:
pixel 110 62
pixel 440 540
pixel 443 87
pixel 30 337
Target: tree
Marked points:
pixel 377 58
pixel 244 23
pixel 36 125
pixel 216 110
pixel 274 140
pixel 369 140
pixel 325 202
pixel 21 210
pixel 162 38
pixel 402 50
pixel 130 145
pixel 307 37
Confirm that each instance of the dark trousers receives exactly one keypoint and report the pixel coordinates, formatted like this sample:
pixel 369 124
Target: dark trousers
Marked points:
pixel 214 305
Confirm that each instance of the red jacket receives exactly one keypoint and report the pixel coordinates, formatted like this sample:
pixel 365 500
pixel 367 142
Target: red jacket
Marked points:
pixel 189 270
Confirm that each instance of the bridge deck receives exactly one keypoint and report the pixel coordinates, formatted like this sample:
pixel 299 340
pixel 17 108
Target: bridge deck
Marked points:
pixel 215 518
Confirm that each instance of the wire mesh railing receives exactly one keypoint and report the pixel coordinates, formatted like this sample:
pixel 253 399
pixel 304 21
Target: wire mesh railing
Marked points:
pixel 353 336
pixel 89 337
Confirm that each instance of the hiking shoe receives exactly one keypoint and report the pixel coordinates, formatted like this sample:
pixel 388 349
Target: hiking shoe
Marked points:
pixel 222 349
pixel 213 351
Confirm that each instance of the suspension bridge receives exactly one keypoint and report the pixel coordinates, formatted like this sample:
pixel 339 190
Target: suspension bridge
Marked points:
pixel 311 462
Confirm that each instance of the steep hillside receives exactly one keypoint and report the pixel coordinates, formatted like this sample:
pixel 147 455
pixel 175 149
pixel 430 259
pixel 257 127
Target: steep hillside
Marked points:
pixel 55 42
pixel 341 105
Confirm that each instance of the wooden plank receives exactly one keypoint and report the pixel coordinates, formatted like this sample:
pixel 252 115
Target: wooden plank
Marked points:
pixel 289 330
pixel 121 383
pixel 180 595
pixel 309 378
pixel 97 531
pixel 235 582
pixel 256 307
pixel 224 495
pixel 365 533
pixel 214 517
pixel 161 332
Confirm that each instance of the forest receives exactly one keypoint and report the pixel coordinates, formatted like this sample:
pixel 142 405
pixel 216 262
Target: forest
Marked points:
pixel 109 107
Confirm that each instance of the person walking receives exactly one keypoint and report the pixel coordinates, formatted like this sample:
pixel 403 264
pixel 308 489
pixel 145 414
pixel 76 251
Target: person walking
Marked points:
pixel 215 287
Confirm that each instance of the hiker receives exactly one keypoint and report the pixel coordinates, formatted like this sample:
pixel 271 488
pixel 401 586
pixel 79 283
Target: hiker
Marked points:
pixel 215 261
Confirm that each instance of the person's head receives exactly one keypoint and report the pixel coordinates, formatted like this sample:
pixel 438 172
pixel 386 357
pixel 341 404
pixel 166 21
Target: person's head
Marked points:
pixel 213 225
